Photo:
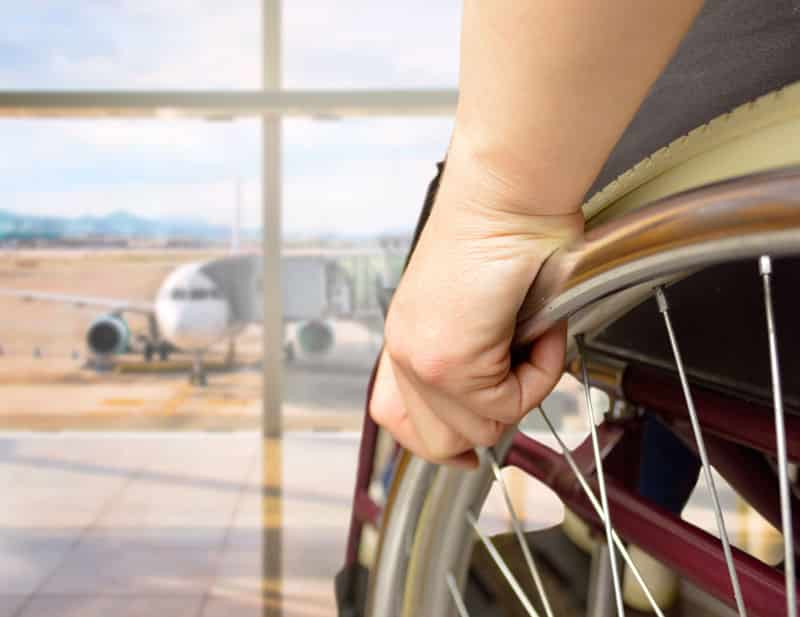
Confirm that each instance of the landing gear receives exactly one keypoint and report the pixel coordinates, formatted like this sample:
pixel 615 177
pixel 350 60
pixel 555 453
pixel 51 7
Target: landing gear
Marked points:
pixel 288 350
pixel 230 355
pixel 198 374
pixel 151 349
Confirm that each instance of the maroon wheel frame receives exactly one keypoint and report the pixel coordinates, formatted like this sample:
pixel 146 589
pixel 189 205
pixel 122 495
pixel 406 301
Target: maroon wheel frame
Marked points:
pixel 736 449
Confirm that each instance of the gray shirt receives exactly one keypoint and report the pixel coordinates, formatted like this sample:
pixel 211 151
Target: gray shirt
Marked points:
pixel 736 51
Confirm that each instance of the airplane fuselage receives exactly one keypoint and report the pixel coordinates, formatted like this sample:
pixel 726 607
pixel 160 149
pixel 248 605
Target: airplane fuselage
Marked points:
pixel 192 312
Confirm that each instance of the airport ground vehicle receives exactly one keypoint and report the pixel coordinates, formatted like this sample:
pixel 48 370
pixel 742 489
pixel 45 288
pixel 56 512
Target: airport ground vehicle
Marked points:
pixel 681 299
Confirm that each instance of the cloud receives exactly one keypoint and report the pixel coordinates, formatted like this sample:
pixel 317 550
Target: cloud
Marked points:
pixel 354 176
pixel 206 44
pixel 361 44
pixel 137 45
pixel 351 176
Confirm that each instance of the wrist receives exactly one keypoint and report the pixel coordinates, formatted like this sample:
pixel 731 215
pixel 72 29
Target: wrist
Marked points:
pixel 473 222
pixel 496 175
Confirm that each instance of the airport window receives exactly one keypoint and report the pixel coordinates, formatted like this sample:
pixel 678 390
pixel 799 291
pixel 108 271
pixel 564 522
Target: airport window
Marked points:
pixel 147 45
pixel 345 205
pixel 369 47
pixel 111 208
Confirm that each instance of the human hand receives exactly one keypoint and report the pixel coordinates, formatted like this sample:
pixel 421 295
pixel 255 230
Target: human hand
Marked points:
pixel 446 382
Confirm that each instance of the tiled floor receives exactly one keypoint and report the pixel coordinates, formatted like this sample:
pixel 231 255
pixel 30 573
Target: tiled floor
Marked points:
pixel 130 525
pixel 184 524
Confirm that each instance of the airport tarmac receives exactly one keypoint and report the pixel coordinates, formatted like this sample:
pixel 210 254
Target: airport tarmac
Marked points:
pixel 52 390
pixel 45 383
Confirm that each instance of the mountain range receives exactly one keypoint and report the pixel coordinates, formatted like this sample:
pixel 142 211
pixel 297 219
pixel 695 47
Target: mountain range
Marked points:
pixel 115 225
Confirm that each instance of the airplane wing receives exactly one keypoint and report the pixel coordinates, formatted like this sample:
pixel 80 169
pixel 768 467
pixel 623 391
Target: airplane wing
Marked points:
pixel 112 304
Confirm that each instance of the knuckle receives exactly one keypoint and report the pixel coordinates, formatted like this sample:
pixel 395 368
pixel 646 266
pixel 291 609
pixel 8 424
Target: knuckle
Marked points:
pixel 392 341
pixel 490 434
pixel 418 355
pixel 377 411
pixel 383 408
pixel 432 368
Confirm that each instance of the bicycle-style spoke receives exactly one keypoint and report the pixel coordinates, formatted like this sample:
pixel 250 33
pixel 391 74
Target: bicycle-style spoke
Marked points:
pixel 457 599
pixel 663 308
pixel 598 509
pixel 765 269
pixel 515 524
pixel 601 482
pixel 503 567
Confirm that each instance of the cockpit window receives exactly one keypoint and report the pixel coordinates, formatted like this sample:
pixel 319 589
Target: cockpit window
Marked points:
pixel 196 293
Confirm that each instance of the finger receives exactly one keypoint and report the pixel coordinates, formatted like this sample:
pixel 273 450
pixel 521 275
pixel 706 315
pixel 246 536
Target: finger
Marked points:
pixel 541 373
pixel 406 435
pixel 526 384
pixel 388 410
pixel 459 414
pixel 440 439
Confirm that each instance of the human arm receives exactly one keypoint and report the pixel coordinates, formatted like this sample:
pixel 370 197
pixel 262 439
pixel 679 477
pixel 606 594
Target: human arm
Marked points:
pixel 546 89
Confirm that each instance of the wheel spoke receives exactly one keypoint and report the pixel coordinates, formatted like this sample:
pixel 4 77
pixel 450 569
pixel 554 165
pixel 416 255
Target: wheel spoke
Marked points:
pixel 663 307
pixel 503 567
pixel 599 510
pixel 601 482
pixel 515 524
pixel 457 599
pixel 765 269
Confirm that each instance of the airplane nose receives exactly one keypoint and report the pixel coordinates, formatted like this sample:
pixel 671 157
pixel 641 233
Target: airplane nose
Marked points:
pixel 193 327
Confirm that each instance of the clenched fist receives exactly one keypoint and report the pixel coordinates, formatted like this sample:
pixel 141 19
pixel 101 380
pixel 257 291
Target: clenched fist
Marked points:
pixel 446 382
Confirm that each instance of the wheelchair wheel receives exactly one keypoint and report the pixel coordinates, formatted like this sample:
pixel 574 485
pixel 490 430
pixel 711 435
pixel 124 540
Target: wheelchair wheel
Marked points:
pixel 684 308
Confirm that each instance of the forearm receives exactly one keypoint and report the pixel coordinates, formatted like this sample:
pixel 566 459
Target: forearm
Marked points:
pixel 548 86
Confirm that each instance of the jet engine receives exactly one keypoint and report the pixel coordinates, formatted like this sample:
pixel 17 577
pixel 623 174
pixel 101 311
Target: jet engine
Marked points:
pixel 108 335
pixel 315 337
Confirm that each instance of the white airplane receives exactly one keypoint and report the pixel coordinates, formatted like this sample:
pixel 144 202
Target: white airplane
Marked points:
pixel 198 305
pixel 201 304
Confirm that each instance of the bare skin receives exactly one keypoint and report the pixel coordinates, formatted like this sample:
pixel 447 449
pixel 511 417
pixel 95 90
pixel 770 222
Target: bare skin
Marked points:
pixel 546 89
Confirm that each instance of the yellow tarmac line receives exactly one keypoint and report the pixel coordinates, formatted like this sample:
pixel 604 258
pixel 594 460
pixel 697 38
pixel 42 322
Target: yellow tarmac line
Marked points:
pixel 272 523
pixel 123 402
pixel 114 421
pixel 177 399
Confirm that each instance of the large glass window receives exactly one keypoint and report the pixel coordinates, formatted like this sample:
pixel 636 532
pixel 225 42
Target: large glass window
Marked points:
pixel 162 497
pixel 352 192
pixel 130 45
pixel 164 169
pixel 95 217
pixel 360 44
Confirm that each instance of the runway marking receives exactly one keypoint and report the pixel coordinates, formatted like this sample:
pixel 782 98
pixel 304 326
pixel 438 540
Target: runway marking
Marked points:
pixel 123 402
pixel 177 399
pixel 222 402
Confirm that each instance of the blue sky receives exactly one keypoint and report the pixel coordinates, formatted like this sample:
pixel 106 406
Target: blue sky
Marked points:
pixel 353 175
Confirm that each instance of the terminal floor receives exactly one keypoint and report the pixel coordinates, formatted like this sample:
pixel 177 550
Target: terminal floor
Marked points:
pixel 207 524
pixel 172 524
